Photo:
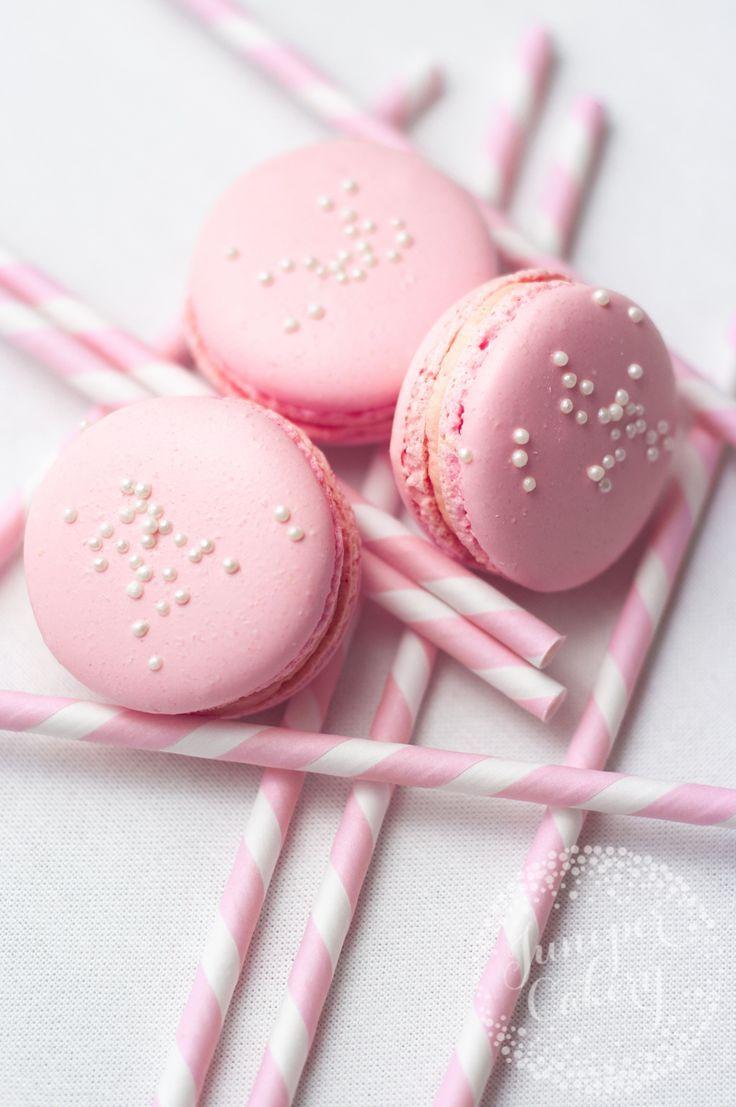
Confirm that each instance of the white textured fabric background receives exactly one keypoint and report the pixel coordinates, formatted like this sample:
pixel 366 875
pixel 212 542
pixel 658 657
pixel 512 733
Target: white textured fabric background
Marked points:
pixel 121 124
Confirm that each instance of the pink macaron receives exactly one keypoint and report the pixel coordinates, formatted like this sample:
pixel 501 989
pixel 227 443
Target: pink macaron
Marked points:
pixel 317 275
pixel 535 428
pixel 192 554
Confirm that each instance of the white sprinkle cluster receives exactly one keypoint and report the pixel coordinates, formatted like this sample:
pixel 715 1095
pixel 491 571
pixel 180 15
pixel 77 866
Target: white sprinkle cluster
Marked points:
pixel 346 266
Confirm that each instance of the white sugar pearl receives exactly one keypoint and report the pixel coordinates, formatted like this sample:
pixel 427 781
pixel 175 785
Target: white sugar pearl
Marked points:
pixel 122 546
pixel 630 430
pixel 369 225
pixel 148 541
pixel 640 409
pixel 652 453
pixel 362 245
pixel 140 628
pixel 70 515
pixel 295 534
pixel 521 436
pixel 195 554
pixel 180 539
pixel 669 444
pixel 144 572
pixel 291 325
pixel 350 230
pixel 596 472
pixel 616 412
pixel 605 485
pixel 143 490
pixel 635 314
pixel 281 513
pixel 349 185
pixel 663 426
pixel 265 278
pixel 601 297
pixel 169 574
pixel 403 238
pixel 395 221
pixel 127 486
pixel 393 255
pixel 156 510
pixel 622 397
pixel 341 276
pixel 581 418
pixel 206 545
pixel 320 271
pixel 287 264
pixel 641 426
pixel 620 454
pixel 315 311
pixel 140 506
pixel 358 274
pixel 651 437
pixel 465 455
pixel 615 434
pixel 635 371
pixel 566 406
pixel 342 255
pixel 127 514
pixel 99 564
pixel 560 358
pixel 587 387
pixel 106 530
pixel 604 415
pixel 150 525
pixel 325 203
pixel 310 262
pixel 94 542
pixel 134 589
pixel 164 526
pixel 631 409
pixel 609 461
pixel 528 484
pixel 232 253
pixel 155 663
pixel 370 260
pixel 569 380
pixel 181 596
pixel 230 565
pixel 348 215
pixel 162 607
pixel 519 458
pixel 135 561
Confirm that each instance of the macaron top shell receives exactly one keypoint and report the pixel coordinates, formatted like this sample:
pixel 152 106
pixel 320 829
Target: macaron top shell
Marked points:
pixel 182 554
pixel 554 430
pixel 317 274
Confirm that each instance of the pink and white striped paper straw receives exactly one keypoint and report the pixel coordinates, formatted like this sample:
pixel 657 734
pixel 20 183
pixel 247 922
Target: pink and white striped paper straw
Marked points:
pixel 246 36
pixel 514 115
pixel 477 600
pixel 13 512
pixel 240 907
pixel 569 176
pixel 410 94
pixel 259 849
pixel 534 691
pixel 332 912
pixel 32 333
pixel 712 407
pixel 74 318
pixel 365 759
pixel 510 962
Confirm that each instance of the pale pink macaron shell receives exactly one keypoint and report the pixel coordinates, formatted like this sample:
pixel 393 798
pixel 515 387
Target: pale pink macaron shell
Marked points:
pixel 326 351
pixel 566 530
pixel 218 468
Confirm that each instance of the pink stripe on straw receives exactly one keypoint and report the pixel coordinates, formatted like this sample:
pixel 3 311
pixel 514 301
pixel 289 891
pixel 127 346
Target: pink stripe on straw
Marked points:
pixel 570 174
pixel 332 914
pixel 222 962
pixel 410 95
pixel 513 117
pixel 477 600
pixel 364 759
pixel 532 690
pixel 510 962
